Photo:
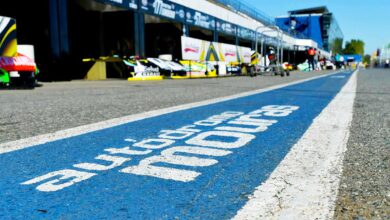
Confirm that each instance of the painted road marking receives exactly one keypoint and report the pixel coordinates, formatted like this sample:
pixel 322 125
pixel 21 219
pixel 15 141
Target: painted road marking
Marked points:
pixel 338 77
pixel 305 184
pixel 241 136
pixel 202 164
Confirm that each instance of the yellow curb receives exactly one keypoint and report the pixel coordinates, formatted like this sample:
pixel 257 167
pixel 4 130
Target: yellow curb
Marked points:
pixel 146 78
pixel 179 77
pixel 202 77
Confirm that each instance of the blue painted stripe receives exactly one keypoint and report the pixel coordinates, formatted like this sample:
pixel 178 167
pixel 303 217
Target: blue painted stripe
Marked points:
pixel 218 193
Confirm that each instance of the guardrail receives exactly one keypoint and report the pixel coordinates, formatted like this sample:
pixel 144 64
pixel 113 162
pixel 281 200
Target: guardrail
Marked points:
pixel 246 8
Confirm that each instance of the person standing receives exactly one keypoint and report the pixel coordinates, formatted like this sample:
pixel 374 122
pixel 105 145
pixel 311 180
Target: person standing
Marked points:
pixel 311 54
pixel 316 59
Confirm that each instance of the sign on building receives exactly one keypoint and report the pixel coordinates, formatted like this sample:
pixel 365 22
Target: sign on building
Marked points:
pixel 200 19
pixel 164 9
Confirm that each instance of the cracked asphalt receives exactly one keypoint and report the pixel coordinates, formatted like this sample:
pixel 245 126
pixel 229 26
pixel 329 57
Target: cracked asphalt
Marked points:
pixel 364 191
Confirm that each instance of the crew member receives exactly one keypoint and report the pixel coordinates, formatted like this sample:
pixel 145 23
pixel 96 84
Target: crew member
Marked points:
pixel 311 54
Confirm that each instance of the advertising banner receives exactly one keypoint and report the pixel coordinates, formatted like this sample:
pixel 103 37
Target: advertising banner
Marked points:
pixel 131 4
pixel 194 49
pixel 199 19
pixel 164 8
pixel 245 33
pixel 245 54
pixel 228 53
pixel 226 27
pixel 232 53
pixel 200 50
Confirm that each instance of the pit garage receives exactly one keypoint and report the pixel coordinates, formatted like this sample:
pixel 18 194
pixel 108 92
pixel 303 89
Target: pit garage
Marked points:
pixel 70 36
pixel 162 37
pixel 201 33
pixel 32 20
pixel 64 32
pixel 98 30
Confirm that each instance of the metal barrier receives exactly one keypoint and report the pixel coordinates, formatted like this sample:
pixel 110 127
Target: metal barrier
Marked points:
pixel 246 8
pixel 276 67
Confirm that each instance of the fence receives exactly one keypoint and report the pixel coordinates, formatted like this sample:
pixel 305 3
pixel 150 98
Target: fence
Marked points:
pixel 245 8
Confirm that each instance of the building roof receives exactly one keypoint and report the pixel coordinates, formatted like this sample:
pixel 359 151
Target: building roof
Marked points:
pixel 315 10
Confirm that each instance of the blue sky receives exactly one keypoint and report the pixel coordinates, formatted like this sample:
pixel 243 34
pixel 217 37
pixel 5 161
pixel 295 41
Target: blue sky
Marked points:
pixel 368 20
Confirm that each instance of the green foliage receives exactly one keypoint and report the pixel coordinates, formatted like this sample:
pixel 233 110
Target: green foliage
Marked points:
pixel 367 59
pixel 337 45
pixel 354 47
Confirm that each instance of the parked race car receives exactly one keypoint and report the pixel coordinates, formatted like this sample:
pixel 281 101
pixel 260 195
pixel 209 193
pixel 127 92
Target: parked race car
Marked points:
pixel 233 68
pixel 168 68
pixel 199 69
pixel 140 68
pixel 153 68
pixel 16 69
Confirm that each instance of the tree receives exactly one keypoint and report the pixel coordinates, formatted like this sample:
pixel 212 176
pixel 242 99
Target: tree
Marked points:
pixel 367 59
pixel 354 47
pixel 337 46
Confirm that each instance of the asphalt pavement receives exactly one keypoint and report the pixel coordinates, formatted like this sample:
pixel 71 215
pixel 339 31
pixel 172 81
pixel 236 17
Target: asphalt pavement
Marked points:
pixel 61 105
pixel 364 192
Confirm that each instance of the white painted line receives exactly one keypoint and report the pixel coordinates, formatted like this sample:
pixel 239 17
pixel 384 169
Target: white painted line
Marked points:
pixel 45 138
pixel 305 184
